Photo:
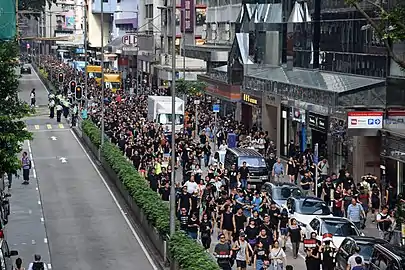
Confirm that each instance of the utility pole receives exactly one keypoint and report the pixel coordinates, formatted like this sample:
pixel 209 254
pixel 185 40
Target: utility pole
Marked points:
pixel 86 87
pixel 173 158
pixel 102 72
pixel 183 37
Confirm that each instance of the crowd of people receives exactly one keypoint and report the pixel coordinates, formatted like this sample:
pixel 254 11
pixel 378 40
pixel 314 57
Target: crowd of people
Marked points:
pixel 215 202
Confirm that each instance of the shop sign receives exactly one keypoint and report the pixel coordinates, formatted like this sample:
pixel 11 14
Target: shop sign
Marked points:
pixel 318 122
pixel 394 147
pixel 395 120
pixel 364 120
pixel 187 16
pixel 249 99
pixel 297 114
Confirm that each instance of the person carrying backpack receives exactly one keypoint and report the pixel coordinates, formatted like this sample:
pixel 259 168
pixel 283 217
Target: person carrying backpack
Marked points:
pixel 37 264
pixel 360 264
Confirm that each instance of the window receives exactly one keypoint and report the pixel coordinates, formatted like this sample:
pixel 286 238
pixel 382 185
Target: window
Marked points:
pixel 314 224
pixel 105 1
pixel 347 246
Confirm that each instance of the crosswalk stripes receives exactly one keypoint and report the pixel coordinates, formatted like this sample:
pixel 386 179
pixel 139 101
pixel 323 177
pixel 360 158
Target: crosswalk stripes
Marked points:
pixel 46 127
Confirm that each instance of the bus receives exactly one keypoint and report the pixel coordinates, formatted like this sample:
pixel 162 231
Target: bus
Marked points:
pixel 112 81
pixel 94 72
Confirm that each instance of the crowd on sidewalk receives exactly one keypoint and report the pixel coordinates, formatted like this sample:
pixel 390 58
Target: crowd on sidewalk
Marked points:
pixel 251 229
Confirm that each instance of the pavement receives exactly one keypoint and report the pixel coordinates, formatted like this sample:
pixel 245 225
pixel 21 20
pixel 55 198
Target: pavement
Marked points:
pixel 73 220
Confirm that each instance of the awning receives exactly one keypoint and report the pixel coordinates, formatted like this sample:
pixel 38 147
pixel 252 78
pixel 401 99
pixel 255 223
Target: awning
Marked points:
pixel 133 21
pixel 317 87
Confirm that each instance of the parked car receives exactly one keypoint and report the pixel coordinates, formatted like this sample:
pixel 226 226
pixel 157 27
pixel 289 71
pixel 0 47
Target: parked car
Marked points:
pixel 346 249
pixel 6 263
pixel 304 209
pixel 25 70
pixel 387 257
pixel 280 192
pixel 339 227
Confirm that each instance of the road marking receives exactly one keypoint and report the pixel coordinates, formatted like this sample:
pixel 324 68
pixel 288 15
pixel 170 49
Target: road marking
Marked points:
pixel 42 220
pixel 39 202
pixel 46 240
pixel 36 126
pixel 148 256
pixel 49 266
pixel 36 188
pixel 34 172
pixel 30 211
pixel 61 126
pixel 33 242
pixel 48 126
pixel 53 138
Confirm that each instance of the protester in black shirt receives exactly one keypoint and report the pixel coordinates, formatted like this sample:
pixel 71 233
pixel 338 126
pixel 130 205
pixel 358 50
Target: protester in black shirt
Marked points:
pixel 165 192
pixel 153 180
pixel 306 183
pixel 206 231
pixel 183 218
pixel 274 214
pixel 193 226
pixel 243 175
pixel 184 200
pixel 233 177
pixel 328 255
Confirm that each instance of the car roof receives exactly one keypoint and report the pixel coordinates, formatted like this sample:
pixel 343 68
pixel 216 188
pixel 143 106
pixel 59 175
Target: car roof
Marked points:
pixel 245 152
pixel 281 184
pixel 367 239
pixel 309 198
pixel 333 219
pixel 396 250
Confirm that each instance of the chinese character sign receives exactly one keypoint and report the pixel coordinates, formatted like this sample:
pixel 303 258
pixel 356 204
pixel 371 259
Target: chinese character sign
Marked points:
pixel 187 15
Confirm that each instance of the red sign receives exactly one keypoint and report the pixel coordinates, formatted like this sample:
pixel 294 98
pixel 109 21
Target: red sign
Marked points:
pixel 365 114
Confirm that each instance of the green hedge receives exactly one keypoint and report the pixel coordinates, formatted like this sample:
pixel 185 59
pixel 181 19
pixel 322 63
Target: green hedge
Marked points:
pixel 188 253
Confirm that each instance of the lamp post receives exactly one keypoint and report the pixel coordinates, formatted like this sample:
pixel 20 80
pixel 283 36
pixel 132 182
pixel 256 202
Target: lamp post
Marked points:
pixel 196 103
pixel 173 158
pixel 102 71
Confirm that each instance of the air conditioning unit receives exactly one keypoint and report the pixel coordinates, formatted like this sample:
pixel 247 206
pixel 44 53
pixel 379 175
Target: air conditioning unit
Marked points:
pixel 204 34
pixel 227 27
pixel 214 35
pixel 227 36
pixel 214 27
pixel 204 27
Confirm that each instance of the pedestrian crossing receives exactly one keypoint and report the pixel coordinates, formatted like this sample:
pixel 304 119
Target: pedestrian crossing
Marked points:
pixel 47 127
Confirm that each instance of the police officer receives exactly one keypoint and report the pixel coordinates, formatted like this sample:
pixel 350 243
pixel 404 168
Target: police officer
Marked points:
pixel 51 106
pixel 66 106
pixel 74 115
pixel 59 110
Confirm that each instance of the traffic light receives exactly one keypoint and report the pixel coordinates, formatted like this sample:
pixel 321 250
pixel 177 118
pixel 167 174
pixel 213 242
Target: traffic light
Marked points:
pixel 79 92
pixel 72 86
pixel 61 77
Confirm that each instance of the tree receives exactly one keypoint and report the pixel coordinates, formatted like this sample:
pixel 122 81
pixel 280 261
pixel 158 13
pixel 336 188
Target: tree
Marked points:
pixel 193 88
pixel 389 25
pixel 12 129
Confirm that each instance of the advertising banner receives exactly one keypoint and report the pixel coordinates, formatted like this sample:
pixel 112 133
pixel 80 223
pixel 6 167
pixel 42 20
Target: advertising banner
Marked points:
pixel 364 120
pixel 200 16
pixel 187 16
pixel 7 20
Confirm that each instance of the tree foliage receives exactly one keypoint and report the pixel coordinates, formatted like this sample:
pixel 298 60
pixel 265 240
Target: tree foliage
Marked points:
pixel 193 88
pixel 12 129
pixel 389 25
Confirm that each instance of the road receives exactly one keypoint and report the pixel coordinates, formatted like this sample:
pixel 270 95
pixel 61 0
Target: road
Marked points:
pixel 73 217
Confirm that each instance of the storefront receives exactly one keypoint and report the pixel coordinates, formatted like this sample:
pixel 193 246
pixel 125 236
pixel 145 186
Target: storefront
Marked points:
pixel 393 158
pixel 318 132
pixel 251 111
pixel 228 95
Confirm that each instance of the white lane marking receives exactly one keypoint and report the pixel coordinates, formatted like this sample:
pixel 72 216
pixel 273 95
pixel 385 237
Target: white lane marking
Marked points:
pixel 42 220
pixel 39 202
pixel 34 172
pixel 46 240
pixel 36 188
pixel 152 263
pixel 40 80
pixel 49 266
pixel 30 211
pixel 33 242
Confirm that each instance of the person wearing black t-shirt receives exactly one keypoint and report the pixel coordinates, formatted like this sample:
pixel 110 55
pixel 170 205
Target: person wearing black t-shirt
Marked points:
pixel 260 255
pixel 153 180
pixel 165 192
pixel 284 227
pixel 184 200
pixel 243 175
pixel 183 218
pixel 328 255
pixel 239 219
pixel 233 177
pixel 306 183
pixel 193 226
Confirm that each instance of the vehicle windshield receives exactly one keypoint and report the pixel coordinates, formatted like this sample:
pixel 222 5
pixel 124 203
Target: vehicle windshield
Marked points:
pixel 252 161
pixel 366 250
pixel 167 119
pixel 313 207
pixel 339 228
pixel 95 75
pixel 283 193
pixel 115 85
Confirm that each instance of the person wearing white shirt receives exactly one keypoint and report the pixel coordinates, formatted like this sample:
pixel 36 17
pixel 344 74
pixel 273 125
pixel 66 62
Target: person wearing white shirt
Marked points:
pixel 191 185
pixel 223 146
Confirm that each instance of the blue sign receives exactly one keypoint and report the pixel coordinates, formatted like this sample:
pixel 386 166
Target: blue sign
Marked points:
pixel 79 50
pixel 215 108
pixel 377 121
pixel 371 121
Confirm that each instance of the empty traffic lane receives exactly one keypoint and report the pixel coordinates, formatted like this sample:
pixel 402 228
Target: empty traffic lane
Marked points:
pixel 86 227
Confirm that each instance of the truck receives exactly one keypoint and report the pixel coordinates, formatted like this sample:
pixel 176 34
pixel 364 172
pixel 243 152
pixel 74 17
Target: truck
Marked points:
pixel 160 112
pixel 112 81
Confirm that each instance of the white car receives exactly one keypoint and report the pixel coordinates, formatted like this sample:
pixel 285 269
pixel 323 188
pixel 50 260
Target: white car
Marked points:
pixel 304 209
pixel 339 227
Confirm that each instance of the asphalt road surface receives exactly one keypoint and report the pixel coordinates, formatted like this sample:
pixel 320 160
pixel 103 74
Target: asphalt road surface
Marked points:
pixel 84 224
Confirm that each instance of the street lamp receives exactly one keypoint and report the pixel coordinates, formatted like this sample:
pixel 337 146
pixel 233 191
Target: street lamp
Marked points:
pixel 102 71
pixel 196 103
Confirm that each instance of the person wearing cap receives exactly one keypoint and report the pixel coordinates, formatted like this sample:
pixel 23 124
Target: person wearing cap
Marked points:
pixel 223 252
pixel 243 251
pixel 328 252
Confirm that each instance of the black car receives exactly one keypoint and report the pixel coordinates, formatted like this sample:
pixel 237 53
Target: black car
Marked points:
pixel 25 70
pixel 346 249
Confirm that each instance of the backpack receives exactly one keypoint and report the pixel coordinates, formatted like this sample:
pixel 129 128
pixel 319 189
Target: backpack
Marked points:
pixel 359 267
pixel 38 266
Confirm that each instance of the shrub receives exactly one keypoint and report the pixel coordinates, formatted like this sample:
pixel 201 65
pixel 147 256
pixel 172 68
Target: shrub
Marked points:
pixel 187 252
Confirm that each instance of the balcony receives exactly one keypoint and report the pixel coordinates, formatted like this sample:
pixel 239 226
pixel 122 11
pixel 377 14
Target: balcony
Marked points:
pixel 109 6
